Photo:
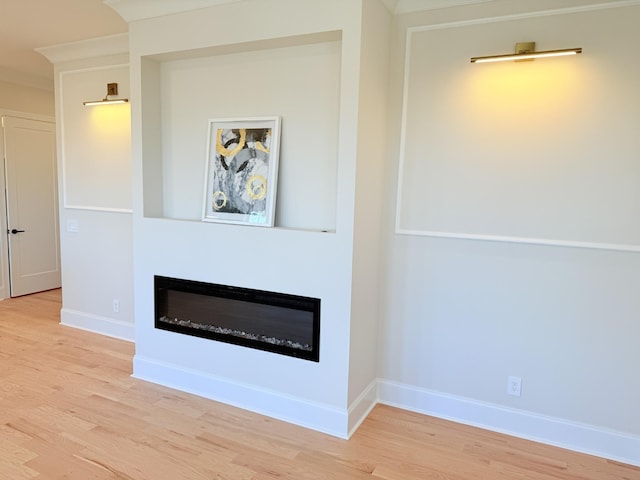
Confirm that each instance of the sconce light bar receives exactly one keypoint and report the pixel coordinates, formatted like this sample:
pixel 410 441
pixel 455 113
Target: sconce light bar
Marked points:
pixel 105 102
pixel 526 51
pixel 112 89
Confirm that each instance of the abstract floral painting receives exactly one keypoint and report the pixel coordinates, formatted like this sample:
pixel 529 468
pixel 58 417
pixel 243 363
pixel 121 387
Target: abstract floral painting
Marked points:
pixel 241 173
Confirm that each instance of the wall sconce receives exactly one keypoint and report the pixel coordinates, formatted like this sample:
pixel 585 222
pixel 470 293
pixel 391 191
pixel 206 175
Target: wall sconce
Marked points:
pixel 526 51
pixel 112 89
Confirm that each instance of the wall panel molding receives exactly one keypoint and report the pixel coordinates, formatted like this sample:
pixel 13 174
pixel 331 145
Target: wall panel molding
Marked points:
pixel 606 238
pixel 66 183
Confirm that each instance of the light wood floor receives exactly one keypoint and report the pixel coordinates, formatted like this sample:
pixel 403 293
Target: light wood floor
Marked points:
pixel 70 410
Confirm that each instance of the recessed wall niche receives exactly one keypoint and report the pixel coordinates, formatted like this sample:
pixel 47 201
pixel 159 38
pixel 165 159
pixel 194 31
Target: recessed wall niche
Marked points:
pixel 295 78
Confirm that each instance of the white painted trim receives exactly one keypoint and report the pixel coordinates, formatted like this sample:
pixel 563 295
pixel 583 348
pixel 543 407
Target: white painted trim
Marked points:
pixel 553 431
pixel 83 49
pixel 523 16
pixel 96 324
pixel 390 5
pixel 98 209
pixel 63 154
pixel 316 416
pixel 27 116
pixel 558 432
pixel 403 128
pixel 5 290
pixel 409 6
pixel 362 406
pixel 132 10
pixel 524 240
pixel 403 132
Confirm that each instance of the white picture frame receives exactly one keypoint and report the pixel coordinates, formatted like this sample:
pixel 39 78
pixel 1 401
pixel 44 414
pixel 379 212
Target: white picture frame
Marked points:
pixel 242 171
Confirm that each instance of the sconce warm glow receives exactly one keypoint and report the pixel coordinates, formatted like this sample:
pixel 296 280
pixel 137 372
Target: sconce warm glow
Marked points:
pixel 526 51
pixel 112 89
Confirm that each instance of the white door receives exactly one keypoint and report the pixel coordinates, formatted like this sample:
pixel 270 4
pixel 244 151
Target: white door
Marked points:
pixel 32 205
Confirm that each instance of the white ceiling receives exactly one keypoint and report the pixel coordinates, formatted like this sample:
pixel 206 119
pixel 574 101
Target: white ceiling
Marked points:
pixel 29 24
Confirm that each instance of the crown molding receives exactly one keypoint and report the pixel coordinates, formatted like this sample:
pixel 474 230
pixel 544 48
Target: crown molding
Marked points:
pixel 408 6
pixel 390 4
pixel 91 48
pixel 132 10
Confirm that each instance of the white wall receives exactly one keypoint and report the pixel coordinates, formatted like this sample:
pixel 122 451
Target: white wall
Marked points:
pixel 366 280
pixel 94 151
pixel 543 153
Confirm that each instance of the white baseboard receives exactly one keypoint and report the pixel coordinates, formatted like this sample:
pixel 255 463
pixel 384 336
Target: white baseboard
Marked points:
pixel 102 325
pixel 316 416
pixel 574 436
pixel 362 406
pixel 334 421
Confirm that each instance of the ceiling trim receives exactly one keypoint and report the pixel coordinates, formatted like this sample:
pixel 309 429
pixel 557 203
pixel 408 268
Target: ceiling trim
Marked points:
pixel 91 48
pixel 390 4
pixel 132 10
pixel 407 6
pixel 520 16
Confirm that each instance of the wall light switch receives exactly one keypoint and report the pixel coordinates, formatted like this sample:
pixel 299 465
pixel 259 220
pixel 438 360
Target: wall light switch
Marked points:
pixel 72 226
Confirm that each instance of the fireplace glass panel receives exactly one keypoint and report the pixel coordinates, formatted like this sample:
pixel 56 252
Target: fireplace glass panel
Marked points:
pixel 275 322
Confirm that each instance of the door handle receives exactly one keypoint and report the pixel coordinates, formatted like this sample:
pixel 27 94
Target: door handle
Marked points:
pixel 14 231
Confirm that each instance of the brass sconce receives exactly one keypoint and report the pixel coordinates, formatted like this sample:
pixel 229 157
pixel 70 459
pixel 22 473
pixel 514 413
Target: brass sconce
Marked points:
pixel 526 51
pixel 112 90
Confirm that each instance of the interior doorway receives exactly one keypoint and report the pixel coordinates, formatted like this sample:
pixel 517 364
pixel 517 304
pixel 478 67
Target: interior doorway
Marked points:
pixel 31 252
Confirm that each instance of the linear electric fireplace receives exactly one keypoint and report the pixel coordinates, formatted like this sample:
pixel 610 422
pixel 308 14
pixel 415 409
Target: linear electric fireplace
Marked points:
pixel 275 322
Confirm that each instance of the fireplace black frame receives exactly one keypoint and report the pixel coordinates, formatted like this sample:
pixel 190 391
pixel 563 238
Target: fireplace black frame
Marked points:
pixel 297 302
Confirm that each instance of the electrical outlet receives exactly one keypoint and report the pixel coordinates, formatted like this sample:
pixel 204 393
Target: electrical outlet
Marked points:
pixel 116 305
pixel 514 386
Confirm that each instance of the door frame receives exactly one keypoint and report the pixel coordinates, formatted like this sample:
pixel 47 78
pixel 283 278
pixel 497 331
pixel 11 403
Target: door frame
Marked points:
pixel 4 246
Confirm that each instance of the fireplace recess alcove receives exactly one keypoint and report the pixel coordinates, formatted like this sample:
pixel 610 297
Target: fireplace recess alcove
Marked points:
pixel 270 321
pixel 320 57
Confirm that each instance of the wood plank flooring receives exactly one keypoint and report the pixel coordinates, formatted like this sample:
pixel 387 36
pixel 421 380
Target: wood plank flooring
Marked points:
pixel 70 410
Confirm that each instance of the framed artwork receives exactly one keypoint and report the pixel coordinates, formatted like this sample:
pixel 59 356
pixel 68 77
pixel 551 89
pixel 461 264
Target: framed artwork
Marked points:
pixel 242 171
